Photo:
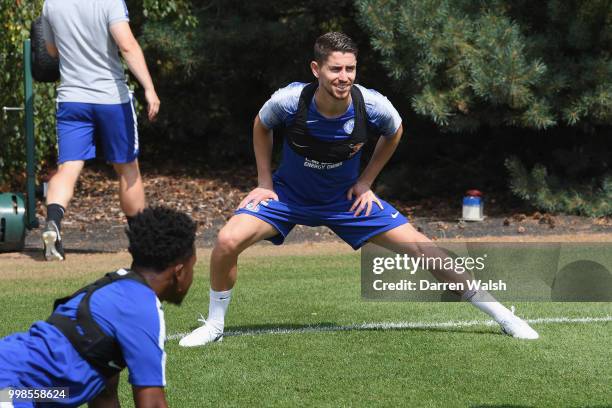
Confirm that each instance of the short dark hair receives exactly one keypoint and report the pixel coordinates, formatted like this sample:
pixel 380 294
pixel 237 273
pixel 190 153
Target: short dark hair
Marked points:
pixel 160 237
pixel 331 42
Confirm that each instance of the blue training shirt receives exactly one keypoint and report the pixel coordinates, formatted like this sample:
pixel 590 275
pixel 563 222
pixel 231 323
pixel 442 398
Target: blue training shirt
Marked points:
pixel 306 181
pixel 43 357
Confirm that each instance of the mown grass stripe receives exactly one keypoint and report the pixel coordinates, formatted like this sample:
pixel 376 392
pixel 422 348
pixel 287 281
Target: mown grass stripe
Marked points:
pixel 398 326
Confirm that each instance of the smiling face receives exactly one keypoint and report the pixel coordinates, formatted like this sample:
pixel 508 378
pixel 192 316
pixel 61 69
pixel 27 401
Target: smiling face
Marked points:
pixel 336 74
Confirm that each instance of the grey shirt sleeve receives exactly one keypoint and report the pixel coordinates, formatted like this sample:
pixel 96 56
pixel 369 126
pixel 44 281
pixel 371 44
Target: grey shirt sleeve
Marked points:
pixel 281 107
pixel 117 11
pixel 46 26
pixel 382 115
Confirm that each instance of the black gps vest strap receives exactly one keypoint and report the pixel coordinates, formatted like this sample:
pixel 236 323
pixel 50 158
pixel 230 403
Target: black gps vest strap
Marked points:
pixel 304 144
pixel 85 335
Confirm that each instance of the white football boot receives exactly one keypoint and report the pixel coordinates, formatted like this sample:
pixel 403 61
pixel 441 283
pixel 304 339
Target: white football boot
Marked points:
pixel 53 249
pixel 518 328
pixel 202 335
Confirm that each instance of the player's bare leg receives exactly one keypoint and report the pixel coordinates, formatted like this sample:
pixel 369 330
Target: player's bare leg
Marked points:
pixel 61 190
pixel 131 188
pixel 240 232
pixel 61 185
pixel 405 239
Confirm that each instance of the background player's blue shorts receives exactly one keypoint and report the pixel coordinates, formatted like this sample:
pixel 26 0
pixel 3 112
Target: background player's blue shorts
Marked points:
pixel 79 125
pixel 355 231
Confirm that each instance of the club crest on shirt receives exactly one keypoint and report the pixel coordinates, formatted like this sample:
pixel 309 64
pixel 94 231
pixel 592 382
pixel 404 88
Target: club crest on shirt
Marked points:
pixel 252 207
pixel 348 126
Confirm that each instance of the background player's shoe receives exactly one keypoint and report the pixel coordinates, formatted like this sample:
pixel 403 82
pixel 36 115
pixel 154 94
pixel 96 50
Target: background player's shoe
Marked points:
pixel 202 335
pixel 518 328
pixel 52 243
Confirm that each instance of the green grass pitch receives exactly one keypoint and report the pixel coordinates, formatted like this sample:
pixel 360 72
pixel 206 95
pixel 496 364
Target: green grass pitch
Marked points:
pixel 463 366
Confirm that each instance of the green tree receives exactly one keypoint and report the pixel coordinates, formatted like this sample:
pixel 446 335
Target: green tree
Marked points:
pixel 496 67
pixel 16 17
pixel 468 63
pixel 214 77
pixel 549 193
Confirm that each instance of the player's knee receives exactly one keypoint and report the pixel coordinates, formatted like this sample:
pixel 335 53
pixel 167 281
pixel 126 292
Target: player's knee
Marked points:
pixel 66 175
pixel 413 235
pixel 70 168
pixel 127 169
pixel 228 241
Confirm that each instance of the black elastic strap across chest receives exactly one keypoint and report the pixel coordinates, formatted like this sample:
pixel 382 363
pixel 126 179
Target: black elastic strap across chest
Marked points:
pixel 303 143
pixel 96 347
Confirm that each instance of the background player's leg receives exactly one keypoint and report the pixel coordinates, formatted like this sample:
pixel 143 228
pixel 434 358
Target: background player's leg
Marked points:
pixel 131 188
pixel 405 239
pixel 240 232
pixel 118 132
pixel 61 190
pixel 75 143
pixel 61 185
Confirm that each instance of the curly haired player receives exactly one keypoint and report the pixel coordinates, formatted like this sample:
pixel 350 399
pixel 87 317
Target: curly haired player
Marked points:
pixel 120 315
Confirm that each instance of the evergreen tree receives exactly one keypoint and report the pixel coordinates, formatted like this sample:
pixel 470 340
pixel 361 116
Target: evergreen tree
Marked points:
pixel 512 65
pixel 549 193
pixel 467 63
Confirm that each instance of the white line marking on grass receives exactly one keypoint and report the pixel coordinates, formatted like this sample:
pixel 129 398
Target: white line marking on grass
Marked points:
pixel 398 325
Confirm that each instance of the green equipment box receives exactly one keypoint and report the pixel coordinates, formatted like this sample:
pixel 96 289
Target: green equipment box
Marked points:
pixel 12 222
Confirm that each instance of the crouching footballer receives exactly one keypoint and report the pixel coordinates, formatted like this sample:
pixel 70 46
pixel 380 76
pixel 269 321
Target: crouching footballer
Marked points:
pixel 325 124
pixel 113 323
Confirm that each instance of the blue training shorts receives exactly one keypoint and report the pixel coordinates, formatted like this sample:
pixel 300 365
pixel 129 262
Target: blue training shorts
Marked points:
pixel 79 125
pixel 355 231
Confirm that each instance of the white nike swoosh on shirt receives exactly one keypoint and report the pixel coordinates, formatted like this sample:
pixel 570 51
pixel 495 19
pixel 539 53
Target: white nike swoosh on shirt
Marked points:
pixel 114 365
pixel 298 145
pixel 395 215
pixel 312 121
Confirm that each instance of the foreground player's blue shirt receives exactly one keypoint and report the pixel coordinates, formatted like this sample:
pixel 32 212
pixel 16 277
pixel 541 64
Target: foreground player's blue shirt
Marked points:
pixel 309 182
pixel 43 356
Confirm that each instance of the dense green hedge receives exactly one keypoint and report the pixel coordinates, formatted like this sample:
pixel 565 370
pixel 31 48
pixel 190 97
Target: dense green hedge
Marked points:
pixel 522 63
pixel 15 19
pixel 524 66
pixel 213 79
pixel 526 79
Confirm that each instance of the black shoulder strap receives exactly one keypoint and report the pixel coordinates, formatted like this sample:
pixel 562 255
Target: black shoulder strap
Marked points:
pixel 84 317
pixel 86 336
pixel 301 116
pixel 103 281
pixel 361 116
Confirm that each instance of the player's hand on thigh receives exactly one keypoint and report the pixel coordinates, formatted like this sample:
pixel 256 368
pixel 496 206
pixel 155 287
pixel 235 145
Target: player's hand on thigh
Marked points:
pixel 364 199
pixel 258 195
